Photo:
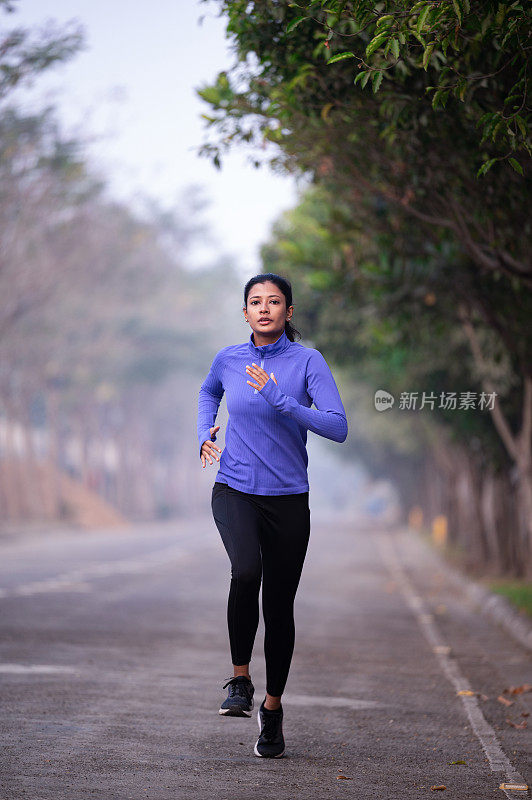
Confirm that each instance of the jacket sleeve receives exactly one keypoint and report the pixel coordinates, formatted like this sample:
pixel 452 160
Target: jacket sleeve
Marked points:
pixel 210 395
pixel 328 419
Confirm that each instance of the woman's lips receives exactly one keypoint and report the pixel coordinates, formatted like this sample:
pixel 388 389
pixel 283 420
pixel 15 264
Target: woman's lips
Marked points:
pixel 264 321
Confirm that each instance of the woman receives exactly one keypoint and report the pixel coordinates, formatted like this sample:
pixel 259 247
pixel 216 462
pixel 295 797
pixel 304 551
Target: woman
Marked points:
pixel 260 500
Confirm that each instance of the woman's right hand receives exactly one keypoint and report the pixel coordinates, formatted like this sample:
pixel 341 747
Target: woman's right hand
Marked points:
pixel 208 448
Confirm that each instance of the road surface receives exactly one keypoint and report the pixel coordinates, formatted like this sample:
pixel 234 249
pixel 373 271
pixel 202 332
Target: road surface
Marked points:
pixel 114 649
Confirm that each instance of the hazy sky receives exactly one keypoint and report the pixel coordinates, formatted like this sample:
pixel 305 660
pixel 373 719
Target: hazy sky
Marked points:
pixel 133 87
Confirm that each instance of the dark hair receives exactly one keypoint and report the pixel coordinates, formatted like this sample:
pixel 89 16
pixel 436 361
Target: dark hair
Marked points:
pixel 285 286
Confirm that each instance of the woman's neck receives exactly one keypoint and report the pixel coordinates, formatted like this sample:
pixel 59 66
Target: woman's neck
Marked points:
pixel 260 340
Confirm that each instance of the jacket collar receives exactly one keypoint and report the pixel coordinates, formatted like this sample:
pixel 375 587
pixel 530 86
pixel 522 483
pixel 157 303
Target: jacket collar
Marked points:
pixel 272 349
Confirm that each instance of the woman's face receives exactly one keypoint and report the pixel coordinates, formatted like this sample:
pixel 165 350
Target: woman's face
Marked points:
pixel 267 302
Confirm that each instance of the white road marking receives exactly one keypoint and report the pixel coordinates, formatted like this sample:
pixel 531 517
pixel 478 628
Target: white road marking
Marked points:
pixel 78 580
pixel 23 669
pixel 60 584
pixel 487 737
pixel 310 700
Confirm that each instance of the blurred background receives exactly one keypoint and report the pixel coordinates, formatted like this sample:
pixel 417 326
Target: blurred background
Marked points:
pixel 151 163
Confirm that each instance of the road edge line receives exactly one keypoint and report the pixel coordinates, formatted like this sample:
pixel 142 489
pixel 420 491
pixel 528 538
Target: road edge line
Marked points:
pixel 498 608
pixel 497 758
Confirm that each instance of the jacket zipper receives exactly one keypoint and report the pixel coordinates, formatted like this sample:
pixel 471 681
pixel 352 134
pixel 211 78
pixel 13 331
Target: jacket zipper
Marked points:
pixel 262 365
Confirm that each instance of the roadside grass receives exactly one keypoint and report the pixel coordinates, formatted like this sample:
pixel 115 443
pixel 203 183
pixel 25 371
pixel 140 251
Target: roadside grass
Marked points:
pixel 518 591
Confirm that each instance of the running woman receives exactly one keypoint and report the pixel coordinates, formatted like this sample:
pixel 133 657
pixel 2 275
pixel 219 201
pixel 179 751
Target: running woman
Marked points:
pixel 260 498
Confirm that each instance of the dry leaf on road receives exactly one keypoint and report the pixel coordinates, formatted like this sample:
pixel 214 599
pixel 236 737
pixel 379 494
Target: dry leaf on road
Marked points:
pixel 526 687
pixel 470 693
pixel 506 702
pixel 520 787
pixel 519 725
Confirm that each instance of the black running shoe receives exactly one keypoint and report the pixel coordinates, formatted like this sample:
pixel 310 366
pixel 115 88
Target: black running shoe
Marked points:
pixel 239 700
pixel 270 743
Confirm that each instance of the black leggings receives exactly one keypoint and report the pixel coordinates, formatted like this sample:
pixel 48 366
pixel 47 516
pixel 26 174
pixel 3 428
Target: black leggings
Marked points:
pixel 266 536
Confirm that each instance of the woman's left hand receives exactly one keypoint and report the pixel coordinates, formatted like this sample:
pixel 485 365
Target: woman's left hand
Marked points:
pixel 260 375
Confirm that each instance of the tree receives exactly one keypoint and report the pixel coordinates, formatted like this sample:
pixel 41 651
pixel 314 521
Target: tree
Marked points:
pixel 100 330
pixel 25 53
pixel 423 158
pixel 389 308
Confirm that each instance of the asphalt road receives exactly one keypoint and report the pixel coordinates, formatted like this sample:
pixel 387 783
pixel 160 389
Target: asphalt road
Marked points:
pixel 113 652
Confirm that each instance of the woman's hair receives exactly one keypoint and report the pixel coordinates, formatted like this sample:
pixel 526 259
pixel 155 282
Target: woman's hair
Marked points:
pixel 285 286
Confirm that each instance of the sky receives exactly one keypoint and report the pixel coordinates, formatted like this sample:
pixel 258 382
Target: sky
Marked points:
pixel 132 92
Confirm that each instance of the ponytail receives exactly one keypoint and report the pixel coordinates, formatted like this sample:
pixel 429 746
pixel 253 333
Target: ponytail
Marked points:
pixel 290 331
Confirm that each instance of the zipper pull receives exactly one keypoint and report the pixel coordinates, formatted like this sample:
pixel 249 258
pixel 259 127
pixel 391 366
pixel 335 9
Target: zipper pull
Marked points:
pixel 262 365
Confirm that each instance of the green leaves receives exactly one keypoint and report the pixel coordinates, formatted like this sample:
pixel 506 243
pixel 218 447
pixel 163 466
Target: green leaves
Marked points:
pixel 475 54
pixel 394 47
pixel 377 80
pixel 386 20
pixel 487 165
pixel 341 57
pixel 210 94
pixel 422 17
pixel 220 94
pixel 376 42
pixel 295 23
pixel 320 279
pixel 440 98
pixel 363 76
pixel 427 54
pixel 523 127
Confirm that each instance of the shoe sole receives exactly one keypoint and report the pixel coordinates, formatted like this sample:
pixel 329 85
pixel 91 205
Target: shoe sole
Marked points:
pixel 236 712
pixel 231 712
pixel 260 755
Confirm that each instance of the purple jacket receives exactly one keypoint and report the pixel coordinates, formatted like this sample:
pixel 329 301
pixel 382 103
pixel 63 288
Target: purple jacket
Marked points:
pixel 265 441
